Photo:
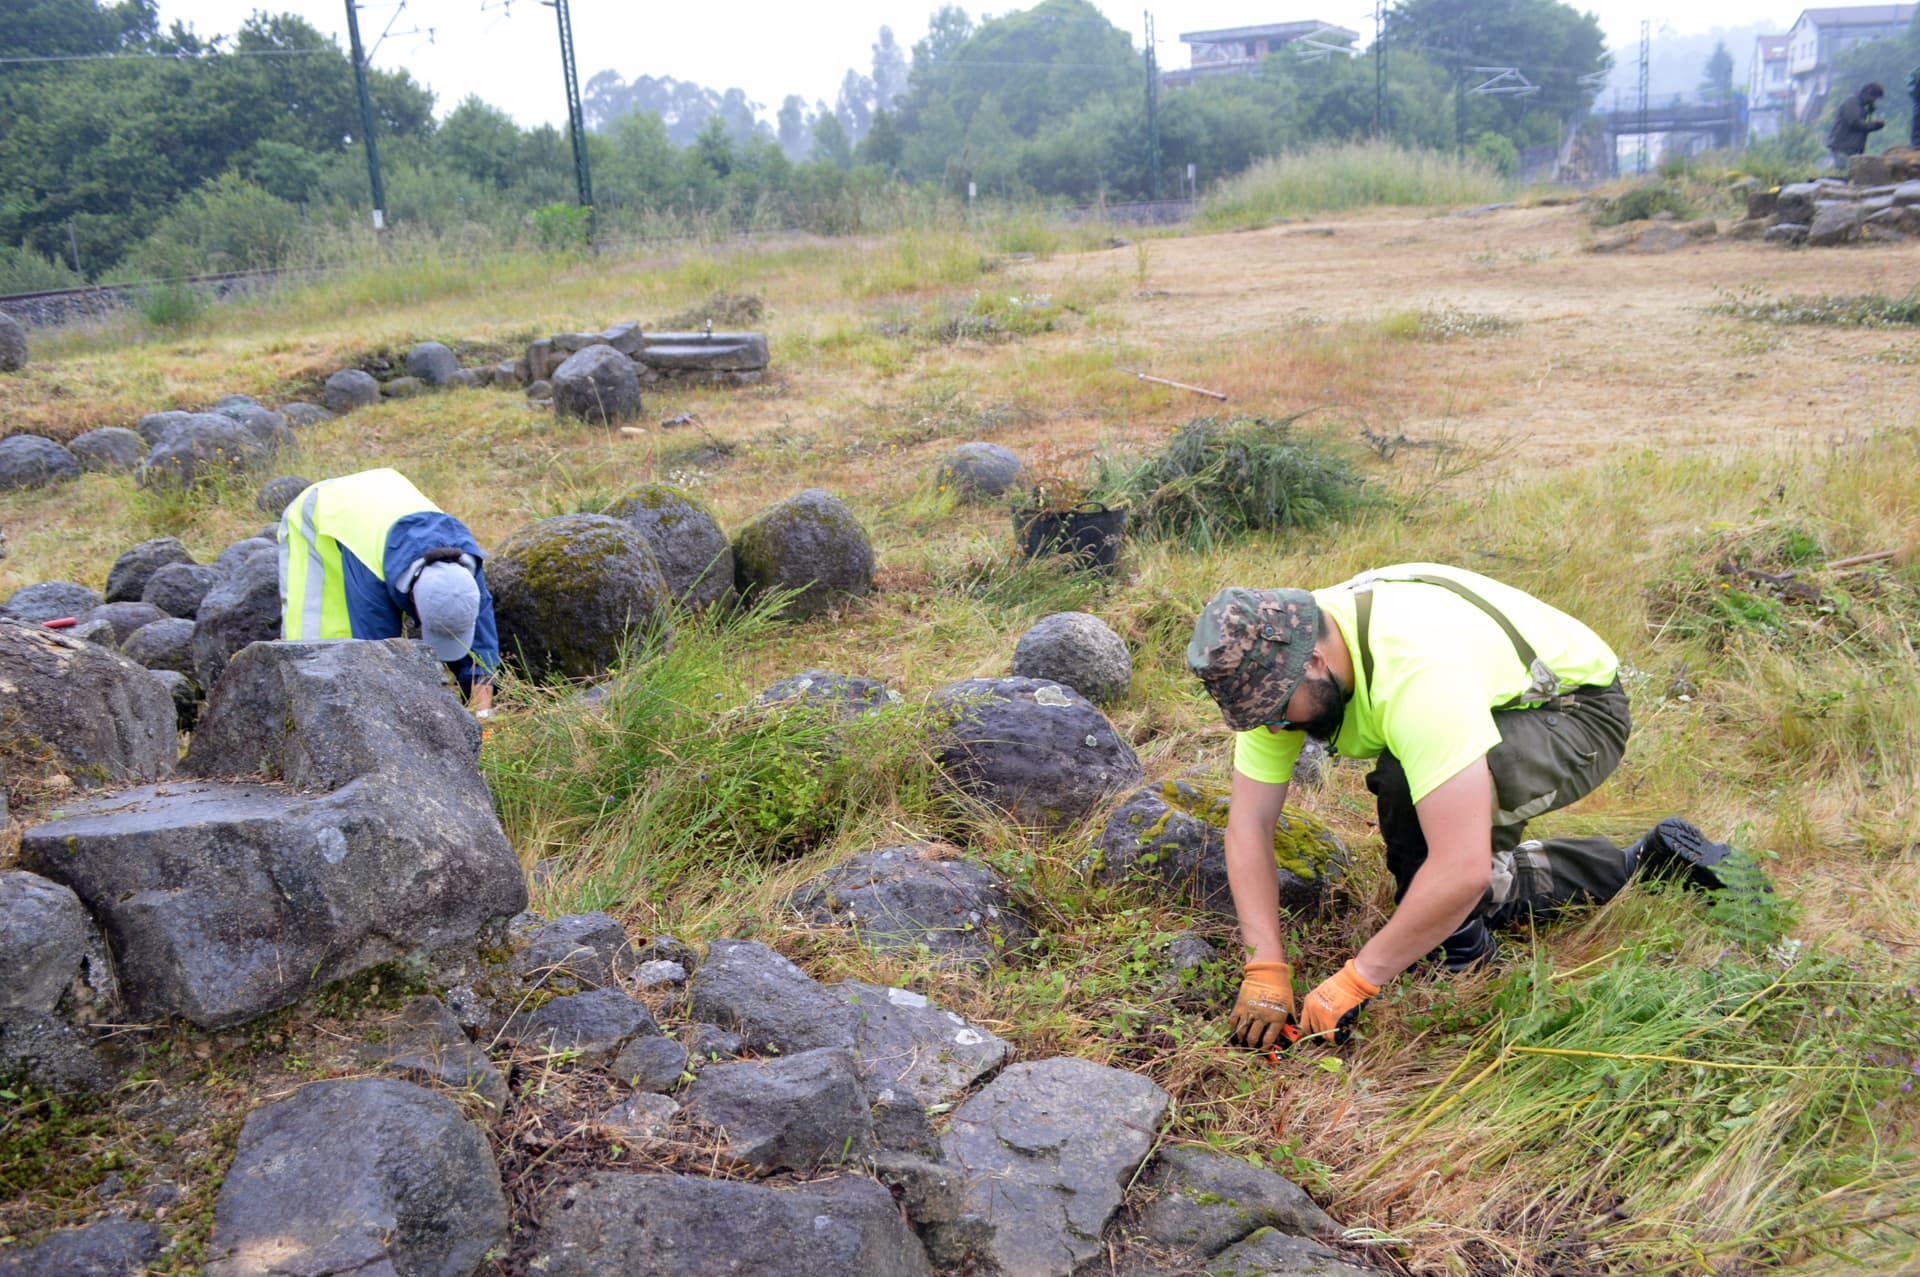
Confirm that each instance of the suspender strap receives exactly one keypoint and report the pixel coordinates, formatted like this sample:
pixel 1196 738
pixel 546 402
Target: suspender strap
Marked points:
pixel 1545 685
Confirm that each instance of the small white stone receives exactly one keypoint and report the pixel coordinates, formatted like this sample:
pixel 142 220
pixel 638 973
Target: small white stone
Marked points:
pixel 905 998
pixel 1092 740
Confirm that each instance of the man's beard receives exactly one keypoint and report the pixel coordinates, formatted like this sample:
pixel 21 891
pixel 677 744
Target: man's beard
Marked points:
pixel 1329 709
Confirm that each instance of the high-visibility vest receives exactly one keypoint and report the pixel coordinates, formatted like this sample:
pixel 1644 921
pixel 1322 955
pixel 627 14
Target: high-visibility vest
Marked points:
pixel 356 511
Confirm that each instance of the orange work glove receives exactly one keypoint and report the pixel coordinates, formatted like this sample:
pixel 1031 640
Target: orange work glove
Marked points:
pixel 1335 1005
pixel 1265 1005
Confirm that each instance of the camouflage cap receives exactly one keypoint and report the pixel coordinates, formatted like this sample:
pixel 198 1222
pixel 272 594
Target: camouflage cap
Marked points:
pixel 1250 647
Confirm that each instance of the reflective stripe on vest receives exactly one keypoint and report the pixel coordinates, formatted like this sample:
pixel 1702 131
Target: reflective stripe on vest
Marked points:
pixel 356 511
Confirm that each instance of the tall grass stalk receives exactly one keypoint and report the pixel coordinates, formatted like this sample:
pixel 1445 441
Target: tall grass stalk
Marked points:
pixel 1333 178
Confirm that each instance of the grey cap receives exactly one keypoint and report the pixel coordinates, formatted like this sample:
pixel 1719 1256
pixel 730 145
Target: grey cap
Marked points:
pixel 448 600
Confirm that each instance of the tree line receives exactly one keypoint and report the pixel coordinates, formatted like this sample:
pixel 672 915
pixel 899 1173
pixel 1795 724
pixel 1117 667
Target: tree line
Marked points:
pixel 146 152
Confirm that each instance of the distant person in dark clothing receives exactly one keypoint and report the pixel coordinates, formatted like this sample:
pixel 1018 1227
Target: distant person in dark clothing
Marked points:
pixel 1913 96
pixel 1852 123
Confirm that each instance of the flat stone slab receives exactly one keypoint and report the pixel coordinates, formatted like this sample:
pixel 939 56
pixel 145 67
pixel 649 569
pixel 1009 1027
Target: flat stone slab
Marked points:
pixel 681 1226
pixel 1206 1201
pixel 1049 1148
pixel 363 1178
pixel 791 1112
pixel 959 911
pixel 225 901
pixel 704 352
pixel 109 1248
pixel 1271 1253
pixel 904 1042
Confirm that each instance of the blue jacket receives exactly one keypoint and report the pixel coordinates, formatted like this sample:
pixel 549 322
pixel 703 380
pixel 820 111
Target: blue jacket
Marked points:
pixel 376 608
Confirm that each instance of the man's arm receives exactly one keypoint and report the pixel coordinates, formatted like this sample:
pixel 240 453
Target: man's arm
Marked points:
pixel 1252 876
pixel 1457 819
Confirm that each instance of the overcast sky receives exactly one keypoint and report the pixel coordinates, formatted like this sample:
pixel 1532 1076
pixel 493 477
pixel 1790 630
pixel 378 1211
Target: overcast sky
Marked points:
pixel 508 51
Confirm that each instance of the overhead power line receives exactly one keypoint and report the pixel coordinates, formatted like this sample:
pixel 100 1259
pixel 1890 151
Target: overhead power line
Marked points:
pixel 204 55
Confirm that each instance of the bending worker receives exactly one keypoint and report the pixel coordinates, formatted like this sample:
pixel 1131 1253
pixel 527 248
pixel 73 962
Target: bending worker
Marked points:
pixel 1852 122
pixel 361 553
pixel 1484 708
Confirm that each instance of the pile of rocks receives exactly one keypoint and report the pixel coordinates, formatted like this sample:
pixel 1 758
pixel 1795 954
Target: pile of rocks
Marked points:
pixel 164 449
pixel 591 376
pixel 597 376
pixel 1879 200
pixel 429 366
pixel 331 819
pixel 180 619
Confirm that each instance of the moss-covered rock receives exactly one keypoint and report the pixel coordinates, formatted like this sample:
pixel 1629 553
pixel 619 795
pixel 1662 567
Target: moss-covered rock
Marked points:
pixel 568 591
pixel 1175 832
pixel 687 541
pixel 202 449
pixel 810 543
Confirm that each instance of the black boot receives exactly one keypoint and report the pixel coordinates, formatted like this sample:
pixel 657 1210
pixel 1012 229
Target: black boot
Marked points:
pixel 1676 849
pixel 1469 948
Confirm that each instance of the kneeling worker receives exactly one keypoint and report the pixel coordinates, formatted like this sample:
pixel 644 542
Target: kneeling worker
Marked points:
pixel 1484 708
pixel 360 553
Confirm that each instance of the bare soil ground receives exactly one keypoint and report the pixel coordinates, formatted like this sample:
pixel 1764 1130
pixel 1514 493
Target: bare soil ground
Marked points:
pixel 1607 348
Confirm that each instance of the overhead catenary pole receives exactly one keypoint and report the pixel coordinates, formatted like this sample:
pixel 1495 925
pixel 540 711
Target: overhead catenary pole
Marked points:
pixel 576 118
pixel 1460 109
pixel 1646 42
pixel 366 116
pixel 1379 68
pixel 1153 114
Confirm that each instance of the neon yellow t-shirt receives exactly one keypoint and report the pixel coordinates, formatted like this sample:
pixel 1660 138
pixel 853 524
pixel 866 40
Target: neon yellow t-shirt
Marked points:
pixel 1440 666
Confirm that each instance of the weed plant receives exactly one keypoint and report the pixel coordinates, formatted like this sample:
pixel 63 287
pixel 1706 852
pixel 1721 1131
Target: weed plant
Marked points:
pixel 1219 479
pixel 1752 1084
pixel 1445 323
pixel 665 774
pixel 1862 310
pixel 1638 203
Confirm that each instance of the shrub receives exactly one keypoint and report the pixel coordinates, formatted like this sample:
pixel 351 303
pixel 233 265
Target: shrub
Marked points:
pixel 1219 478
pixel 1331 178
pixel 24 271
pixel 563 228
pixel 1641 203
pixel 229 224
pixel 172 306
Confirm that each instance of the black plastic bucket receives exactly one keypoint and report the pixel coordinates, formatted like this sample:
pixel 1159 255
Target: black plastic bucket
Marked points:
pixel 1090 533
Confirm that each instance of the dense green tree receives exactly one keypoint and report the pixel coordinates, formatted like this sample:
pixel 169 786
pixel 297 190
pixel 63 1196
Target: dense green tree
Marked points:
pixel 881 147
pixel 481 141
pixel 70 28
pixel 1550 43
pixel 96 150
pixel 1716 77
pixel 855 105
pixel 830 142
pixel 947 29
pixel 1038 64
pixel 792 121
pixel 889 71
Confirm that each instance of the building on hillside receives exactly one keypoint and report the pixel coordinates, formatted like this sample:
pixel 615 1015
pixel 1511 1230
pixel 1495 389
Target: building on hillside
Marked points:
pixel 1769 92
pixel 1818 38
pixel 1240 50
